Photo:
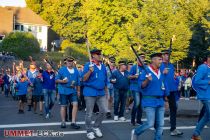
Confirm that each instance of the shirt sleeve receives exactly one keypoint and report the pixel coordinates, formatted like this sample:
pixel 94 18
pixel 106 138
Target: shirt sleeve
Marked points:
pixel 86 69
pixel 200 77
pixel 132 71
pixel 59 76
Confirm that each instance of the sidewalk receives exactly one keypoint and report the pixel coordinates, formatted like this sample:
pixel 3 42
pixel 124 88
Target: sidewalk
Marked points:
pixel 188 108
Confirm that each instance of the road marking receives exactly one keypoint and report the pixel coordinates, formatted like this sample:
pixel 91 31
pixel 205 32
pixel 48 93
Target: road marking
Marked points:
pixel 59 123
pixel 84 131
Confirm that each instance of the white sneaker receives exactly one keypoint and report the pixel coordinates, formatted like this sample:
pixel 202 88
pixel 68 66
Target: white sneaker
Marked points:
pixel 47 116
pixel 133 136
pixel 91 136
pixel 98 133
pixel 122 119
pixel 116 118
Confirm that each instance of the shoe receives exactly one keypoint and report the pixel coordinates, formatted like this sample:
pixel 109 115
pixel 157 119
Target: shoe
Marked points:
pixel 19 111
pixel 133 123
pixel 196 137
pixel 116 118
pixel 47 116
pixel 75 126
pixel 108 115
pixel 29 108
pixel 176 133
pixel 40 113
pixel 122 119
pixel 133 136
pixel 139 123
pixel 91 136
pixel 63 125
pixel 98 133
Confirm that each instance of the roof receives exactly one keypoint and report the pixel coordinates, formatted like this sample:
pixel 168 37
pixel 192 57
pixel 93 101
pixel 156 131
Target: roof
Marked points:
pixel 24 15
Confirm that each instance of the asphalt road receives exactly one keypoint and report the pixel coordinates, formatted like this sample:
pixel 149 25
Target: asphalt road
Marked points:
pixel 112 130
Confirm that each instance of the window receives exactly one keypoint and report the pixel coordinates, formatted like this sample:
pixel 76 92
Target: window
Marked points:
pixel 40 28
pixel 21 27
pixel 29 28
pixel 2 37
pixel 17 27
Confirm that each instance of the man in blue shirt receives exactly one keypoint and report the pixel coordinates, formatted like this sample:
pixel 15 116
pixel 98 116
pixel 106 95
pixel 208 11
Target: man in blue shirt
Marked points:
pixel 6 79
pixel 135 72
pixel 201 83
pixel 22 87
pixel 31 74
pixel 154 92
pixel 110 85
pixel 48 89
pixel 95 85
pixel 168 70
pixel 69 89
pixel 121 86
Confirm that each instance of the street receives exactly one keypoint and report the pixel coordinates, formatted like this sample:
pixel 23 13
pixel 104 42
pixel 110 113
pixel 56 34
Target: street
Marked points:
pixel 112 130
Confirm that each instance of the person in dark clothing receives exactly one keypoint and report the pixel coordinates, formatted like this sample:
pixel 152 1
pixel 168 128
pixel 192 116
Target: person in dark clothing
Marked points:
pixel 121 86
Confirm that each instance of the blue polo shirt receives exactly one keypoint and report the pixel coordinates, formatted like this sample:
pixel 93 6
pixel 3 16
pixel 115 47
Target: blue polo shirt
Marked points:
pixel 122 81
pixel 153 89
pixel 37 86
pixel 31 75
pixel 169 77
pixel 97 81
pixel 201 82
pixel 48 80
pixel 22 87
pixel 134 86
pixel 72 78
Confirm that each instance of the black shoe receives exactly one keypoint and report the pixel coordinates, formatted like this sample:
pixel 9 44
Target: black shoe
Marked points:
pixel 139 123
pixel 19 111
pixel 63 125
pixel 133 123
pixel 75 126
pixel 29 108
pixel 108 115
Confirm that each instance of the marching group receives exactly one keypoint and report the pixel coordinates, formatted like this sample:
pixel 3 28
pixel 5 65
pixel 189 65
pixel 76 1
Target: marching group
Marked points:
pixel 98 86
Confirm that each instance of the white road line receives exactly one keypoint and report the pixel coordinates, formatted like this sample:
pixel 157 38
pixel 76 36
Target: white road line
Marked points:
pixel 164 128
pixel 58 123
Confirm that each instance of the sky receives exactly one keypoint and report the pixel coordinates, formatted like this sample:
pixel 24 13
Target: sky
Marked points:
pixel 16 3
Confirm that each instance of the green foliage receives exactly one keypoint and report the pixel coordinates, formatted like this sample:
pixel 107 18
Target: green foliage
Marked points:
pixel 113 25
pixel 78 51
pixel 157 24
pixel 23 44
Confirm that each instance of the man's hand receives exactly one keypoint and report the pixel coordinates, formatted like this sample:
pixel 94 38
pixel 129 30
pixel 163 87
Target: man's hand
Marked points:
pixel 78 93
pixel 165 71
pixel 166 106
pixel 65 80
pixel 149 77
pixel 91 67
pixel 136 76
pixel 113 80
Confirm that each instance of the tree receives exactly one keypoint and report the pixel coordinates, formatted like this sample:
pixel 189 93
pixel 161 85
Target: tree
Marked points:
pixel 158 22
pixel 198 14
pixel 23 44
pixel 109 24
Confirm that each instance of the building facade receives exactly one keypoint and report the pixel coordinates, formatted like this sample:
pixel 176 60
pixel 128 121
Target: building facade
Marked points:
pixel 23 19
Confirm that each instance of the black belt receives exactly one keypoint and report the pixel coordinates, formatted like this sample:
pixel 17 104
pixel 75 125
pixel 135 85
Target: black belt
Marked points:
pixel 153 97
